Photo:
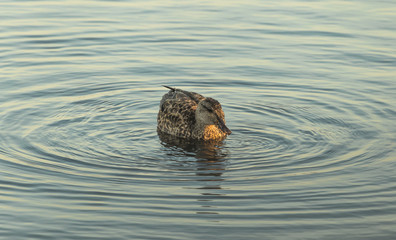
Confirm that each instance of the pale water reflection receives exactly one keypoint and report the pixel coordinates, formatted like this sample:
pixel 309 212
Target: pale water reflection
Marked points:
pixel 308 89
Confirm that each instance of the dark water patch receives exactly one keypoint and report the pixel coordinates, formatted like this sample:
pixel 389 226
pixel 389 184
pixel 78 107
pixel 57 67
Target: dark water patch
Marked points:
pixel 304 33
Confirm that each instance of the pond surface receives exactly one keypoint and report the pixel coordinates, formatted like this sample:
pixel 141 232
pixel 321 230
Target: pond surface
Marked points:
pixel 308 89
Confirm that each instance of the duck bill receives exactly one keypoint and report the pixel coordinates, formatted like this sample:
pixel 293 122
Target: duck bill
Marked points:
pixel 223 127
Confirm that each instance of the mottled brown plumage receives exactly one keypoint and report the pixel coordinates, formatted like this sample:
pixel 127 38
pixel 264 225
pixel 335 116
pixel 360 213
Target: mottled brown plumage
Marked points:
pixel 191 115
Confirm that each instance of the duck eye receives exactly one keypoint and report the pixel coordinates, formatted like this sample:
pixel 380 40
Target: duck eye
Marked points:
pixel 208 109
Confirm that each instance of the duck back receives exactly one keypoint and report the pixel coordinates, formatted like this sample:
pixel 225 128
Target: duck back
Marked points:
pixel 177 112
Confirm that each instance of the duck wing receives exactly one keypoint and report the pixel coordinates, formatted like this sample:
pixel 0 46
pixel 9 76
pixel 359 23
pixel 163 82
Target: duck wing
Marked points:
pixel 176 93
pixel 177 116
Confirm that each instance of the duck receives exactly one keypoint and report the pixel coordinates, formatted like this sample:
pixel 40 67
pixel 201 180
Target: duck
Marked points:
pixel 190 115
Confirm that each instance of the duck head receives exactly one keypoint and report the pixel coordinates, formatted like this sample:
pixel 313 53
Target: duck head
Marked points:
pixel 209 112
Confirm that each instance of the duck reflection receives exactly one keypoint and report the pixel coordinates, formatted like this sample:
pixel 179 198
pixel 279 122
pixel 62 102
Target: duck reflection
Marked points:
pixel 206 159
pixel 204 151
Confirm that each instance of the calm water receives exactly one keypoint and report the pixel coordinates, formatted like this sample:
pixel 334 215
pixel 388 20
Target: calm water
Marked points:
pixel 308 89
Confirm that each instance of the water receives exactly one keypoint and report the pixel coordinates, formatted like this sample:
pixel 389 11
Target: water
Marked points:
pixel 308 89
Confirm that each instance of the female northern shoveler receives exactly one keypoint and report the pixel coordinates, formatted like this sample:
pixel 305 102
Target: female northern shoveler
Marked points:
pixel 191 115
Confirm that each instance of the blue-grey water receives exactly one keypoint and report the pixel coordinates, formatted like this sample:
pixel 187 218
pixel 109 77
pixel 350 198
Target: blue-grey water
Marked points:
pixel 308 89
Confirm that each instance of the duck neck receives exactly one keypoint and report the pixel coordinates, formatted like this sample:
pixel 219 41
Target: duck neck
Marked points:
pixel 199 130
pixel 207 132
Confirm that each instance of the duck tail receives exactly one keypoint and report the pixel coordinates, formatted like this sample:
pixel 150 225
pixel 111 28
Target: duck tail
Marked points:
pixel 171 88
